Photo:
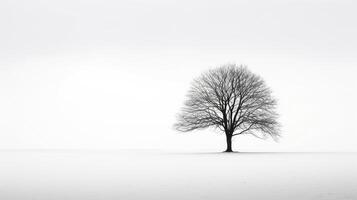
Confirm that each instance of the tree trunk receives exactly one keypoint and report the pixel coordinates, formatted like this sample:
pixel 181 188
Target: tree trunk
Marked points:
pixel 229 142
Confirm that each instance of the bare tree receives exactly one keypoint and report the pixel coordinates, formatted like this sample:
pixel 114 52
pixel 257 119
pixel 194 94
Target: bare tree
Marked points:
pixel 232 99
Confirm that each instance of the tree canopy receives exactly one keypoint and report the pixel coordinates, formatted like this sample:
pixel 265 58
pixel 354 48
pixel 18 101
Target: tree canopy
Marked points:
pixel 232 99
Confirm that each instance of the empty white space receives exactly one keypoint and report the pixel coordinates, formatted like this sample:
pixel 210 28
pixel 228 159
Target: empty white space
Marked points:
pixel 94 175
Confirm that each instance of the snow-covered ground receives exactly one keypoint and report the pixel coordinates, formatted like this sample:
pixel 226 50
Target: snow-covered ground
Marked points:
pixel 126 175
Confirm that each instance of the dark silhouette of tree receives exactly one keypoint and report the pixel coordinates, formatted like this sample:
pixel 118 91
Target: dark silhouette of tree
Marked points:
pixel 233 99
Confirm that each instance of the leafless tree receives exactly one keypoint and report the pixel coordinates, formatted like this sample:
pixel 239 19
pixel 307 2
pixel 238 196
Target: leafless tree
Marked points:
pixel 232 99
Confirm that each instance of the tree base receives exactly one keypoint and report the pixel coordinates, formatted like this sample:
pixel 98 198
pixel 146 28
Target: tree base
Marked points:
pixel 228 151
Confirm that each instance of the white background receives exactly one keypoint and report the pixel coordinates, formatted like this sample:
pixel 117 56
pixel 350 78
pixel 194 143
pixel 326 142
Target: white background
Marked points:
pixel 113 74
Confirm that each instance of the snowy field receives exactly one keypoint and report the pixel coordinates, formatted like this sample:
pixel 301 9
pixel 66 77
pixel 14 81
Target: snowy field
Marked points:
pixel 77 175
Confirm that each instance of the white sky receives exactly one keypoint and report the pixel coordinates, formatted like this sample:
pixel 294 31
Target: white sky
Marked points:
pixel 113 74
